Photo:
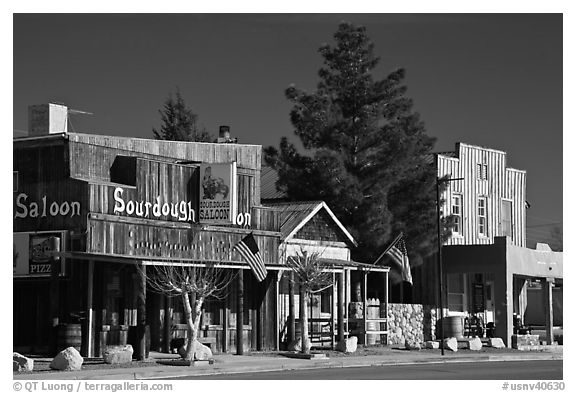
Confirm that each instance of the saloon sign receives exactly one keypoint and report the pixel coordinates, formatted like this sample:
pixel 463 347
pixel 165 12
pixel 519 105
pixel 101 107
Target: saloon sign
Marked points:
pixel 44 208
pixel 218 193
pixel 183 210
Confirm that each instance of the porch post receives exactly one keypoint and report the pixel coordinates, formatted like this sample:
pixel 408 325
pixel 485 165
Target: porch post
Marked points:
pixel 240 315
pixel 386 280
pixel 365 300
pixel 291 310
pixel 548 310
pixel 167 323
pixel 341 306
pixel 89 300
pixel 277 310
pixel 141 314
pixel 54 303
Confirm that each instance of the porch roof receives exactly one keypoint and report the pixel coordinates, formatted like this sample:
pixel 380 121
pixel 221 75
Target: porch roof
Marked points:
pixel 333 264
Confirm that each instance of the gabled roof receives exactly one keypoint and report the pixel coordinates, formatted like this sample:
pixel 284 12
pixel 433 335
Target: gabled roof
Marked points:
pixel 294 215
pixel 268 179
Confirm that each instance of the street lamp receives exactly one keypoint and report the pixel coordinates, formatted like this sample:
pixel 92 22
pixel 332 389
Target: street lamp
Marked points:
pixel 440 273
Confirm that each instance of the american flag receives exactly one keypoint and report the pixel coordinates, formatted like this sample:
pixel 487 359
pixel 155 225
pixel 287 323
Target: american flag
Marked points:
pixel 397 251
pixel 248 248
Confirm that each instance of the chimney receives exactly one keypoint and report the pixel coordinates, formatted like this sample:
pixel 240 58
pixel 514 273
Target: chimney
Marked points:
pixel 46 119
pixel 224 135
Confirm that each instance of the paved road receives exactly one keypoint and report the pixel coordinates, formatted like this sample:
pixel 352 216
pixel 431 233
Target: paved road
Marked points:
pixel 521 370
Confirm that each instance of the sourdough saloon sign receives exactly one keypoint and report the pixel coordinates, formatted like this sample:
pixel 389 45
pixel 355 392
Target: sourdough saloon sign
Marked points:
pixel 182 211
pixel 218 193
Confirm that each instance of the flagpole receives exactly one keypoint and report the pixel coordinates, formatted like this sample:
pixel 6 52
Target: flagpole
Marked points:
pixel 440 315
pixel 389 247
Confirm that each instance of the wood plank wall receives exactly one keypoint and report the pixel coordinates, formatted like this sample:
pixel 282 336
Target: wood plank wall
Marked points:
pixel 109 235
pixel 43 171
pixel 246 156
pixel 501 182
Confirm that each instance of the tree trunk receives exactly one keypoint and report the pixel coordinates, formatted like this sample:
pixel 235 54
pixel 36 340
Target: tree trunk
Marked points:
pixel 193 322
pixel 304 321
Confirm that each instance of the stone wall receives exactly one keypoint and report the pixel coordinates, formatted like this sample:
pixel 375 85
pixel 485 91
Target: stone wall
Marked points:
pixel 415 323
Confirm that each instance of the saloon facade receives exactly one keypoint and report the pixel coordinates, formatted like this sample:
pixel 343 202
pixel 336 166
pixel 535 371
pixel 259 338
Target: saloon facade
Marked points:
pixel 91 210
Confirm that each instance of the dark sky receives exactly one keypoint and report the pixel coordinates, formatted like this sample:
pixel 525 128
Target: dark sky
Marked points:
pixel 486 79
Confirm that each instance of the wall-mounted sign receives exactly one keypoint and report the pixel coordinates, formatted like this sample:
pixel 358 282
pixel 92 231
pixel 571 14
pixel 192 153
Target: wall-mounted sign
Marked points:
pixel 182 210
pixel 218 195
pixel 44 208
pixel 33 253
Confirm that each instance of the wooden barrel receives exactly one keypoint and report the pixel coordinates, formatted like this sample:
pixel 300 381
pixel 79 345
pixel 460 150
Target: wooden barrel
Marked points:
pixel 69 335
pixel 453 326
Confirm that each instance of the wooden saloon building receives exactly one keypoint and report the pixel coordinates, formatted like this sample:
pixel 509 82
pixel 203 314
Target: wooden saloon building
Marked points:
pixel 90 210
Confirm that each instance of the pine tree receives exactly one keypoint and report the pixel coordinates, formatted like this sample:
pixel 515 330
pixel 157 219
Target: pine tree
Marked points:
pixel 367 153
pixel 179 123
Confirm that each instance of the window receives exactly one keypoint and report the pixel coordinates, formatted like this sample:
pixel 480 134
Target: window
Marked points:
pixel 456 292
pixel 325 299
pixel 482 217
pixel 457 213
pixel 506 219
pixel 481 171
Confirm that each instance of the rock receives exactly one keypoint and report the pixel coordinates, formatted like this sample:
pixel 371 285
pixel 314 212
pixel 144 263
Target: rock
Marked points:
pixel 348 346
pixel 451 344
pixel 475 344
pixel 296 345
pixel 67 360
pixel 118 354
pixel 412 345
pixel 496 342
pixel 199 351
pixel 432 345
pixel 22 363
pixel 521 340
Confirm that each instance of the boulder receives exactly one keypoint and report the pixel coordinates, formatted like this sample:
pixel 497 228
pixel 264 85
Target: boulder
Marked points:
pixel 199 351
pixel 432 345
pixel 67 360
pixel 22 363
pixel 349 345
pixel 118 354
pixel 475 344
pixel 296 345
pixel 496 342
pixel 522 340
pixel 412 345
pixel 451 343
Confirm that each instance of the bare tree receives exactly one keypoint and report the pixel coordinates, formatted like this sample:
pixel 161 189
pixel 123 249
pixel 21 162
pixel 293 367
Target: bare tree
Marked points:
pixel 311 274
pixel 194 284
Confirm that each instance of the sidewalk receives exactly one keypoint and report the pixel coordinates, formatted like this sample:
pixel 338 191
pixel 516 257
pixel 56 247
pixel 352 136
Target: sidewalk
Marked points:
pixel 233 364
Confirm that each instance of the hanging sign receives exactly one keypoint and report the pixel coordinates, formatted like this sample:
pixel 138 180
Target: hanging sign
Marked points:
pixel 218 203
